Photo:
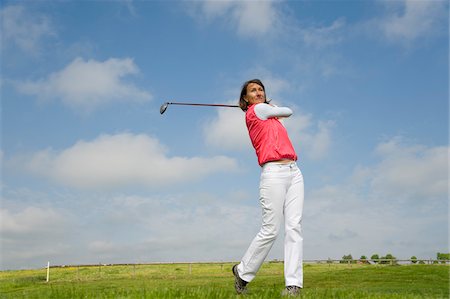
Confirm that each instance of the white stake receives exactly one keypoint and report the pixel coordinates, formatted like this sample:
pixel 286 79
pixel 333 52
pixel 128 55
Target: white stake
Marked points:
pixel 48 271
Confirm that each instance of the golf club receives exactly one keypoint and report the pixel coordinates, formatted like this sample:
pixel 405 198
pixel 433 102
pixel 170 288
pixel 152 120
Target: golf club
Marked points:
pixel 166 104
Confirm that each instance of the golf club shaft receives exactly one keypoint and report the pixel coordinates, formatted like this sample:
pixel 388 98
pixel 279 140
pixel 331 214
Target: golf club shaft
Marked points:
pixel 197 104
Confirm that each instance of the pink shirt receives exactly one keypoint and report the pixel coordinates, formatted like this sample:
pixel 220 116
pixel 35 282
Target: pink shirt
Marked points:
pixel 269 137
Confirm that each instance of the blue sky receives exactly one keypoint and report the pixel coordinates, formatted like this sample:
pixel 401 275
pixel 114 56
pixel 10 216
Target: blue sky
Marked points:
pixel 91 172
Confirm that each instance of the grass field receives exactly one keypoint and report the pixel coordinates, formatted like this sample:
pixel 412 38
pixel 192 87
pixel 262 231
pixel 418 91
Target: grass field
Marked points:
pixel 216 281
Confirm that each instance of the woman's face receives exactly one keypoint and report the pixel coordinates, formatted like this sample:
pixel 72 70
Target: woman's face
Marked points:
pixel 255 94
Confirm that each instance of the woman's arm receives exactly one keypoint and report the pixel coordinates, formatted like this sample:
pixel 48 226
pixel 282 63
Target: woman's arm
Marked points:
pixel 265 111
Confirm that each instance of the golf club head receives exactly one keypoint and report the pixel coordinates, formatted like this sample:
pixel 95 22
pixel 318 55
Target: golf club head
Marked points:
pixel 163 107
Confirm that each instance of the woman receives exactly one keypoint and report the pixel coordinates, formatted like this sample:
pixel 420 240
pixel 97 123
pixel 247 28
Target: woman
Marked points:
pixel 281 190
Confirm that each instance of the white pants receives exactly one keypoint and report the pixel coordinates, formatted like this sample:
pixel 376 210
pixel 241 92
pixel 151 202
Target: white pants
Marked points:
pixel 281 193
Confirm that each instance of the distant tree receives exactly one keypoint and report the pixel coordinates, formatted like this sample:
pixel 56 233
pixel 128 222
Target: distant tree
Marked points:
pixel 389 259
pixel 375 257
pixel 413 259
pixel 347 259
pixel 443 257
pixel 363 259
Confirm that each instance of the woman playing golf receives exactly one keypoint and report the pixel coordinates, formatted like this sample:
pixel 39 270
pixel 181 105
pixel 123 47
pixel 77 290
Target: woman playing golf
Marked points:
pixel 281 190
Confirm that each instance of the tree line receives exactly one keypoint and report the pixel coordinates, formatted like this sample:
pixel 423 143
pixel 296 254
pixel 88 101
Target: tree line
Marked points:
pixel 390 259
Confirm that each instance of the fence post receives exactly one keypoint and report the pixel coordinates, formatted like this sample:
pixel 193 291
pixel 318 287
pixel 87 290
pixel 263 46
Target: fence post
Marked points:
pixel 48 271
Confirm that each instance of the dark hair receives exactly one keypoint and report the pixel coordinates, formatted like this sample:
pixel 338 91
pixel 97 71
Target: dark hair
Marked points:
pixel 244 104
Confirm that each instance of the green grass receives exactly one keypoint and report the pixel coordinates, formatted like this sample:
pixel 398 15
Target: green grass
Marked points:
pixel 216 281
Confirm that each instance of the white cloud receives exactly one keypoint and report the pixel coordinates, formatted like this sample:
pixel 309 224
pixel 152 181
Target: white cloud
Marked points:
pixel 24 29
pixel 265 18
pixel 30 234
pixel 322 36
pixel 211 9
pixel 85 85
pixel 310 137
pixel 409 20
pixel 181 233
pixel 382 208
pixel 120 160
pixel 126 228
pixel 227 131
pixel 342 219
pixel 103 247
pixel 255 17
pixel 30 221
pixel 412 171
pixel 248 18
